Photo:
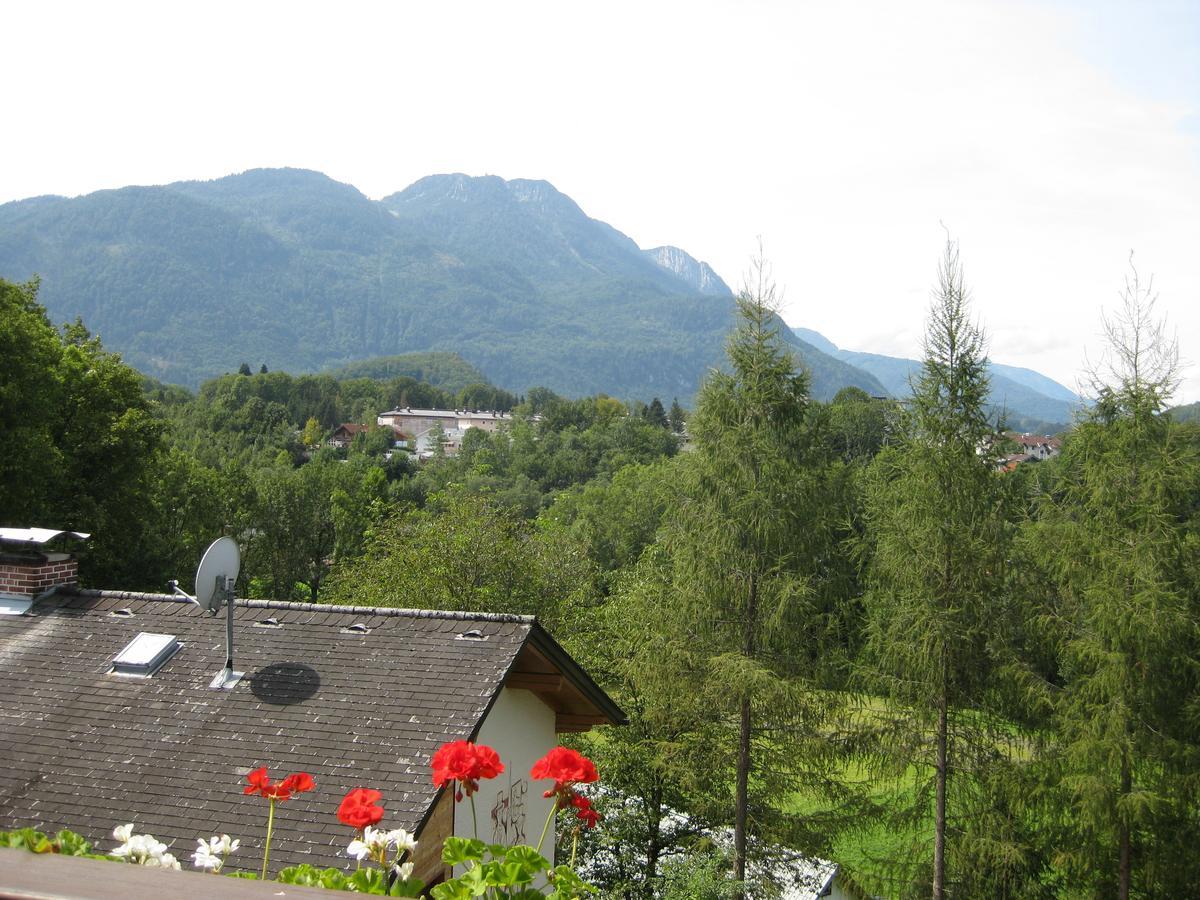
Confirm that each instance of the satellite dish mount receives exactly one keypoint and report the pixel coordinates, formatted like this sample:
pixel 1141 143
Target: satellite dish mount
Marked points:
pixel 215 578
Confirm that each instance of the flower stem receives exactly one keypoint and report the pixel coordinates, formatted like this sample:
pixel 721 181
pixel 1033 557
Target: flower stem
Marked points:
pixel 574 846
pixel 474 820
pixel 267 846
pixel 546 827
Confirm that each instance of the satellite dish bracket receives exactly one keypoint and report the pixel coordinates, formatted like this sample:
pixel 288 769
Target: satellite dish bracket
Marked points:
pixel 223 593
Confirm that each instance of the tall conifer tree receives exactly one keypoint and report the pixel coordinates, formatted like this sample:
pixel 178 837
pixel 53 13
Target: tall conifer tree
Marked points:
pixel 1117 538
pixel 751 540
pixel 936 537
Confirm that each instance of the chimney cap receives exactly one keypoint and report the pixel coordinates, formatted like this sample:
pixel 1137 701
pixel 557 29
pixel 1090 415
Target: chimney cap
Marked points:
pixel 37 536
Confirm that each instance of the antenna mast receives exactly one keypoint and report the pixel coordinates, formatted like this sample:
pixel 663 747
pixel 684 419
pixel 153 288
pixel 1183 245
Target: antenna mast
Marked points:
pixel 215 579
pixel 226 678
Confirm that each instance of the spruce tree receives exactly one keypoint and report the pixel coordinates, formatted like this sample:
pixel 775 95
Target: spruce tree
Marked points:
pixel 656 415
pixel 936 537
pixel 676 417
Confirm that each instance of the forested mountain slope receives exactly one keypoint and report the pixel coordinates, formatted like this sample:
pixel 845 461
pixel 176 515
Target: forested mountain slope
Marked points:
pixel 292 269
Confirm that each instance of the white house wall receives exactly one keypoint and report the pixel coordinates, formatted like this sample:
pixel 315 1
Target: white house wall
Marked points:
pixel 510 808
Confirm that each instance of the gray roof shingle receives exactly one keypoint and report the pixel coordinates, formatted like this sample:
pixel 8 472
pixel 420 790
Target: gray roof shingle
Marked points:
pixel 86 750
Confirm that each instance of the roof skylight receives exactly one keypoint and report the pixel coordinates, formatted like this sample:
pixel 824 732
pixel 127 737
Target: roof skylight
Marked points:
pixel 145 654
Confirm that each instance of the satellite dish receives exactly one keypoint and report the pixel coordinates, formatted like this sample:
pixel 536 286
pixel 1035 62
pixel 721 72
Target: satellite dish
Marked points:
pixel 217 572
pixel 215 577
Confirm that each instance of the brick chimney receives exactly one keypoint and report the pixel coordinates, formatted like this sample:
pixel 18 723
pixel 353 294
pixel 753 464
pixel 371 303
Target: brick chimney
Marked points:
pixel 27 569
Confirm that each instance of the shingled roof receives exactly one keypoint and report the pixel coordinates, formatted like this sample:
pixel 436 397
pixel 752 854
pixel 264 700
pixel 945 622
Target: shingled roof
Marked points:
pixel 356 696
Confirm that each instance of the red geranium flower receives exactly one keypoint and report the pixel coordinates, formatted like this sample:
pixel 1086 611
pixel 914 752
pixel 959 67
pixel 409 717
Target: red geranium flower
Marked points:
pixel 258 781
pixel 296 783
pixel 358 809
pixel 488 761
pixel 465 763
pixel 568 768
pixel 584 811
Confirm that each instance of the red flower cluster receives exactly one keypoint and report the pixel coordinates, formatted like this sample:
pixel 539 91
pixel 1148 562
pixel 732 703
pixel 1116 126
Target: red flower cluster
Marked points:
pixel 296 783
pixel 568 768
pixel 584 811
pixel 358 809
pixel 465 763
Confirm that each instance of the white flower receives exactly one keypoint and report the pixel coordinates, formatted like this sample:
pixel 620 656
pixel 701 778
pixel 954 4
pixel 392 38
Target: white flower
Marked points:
pixel 375 842
pixel 163 861
pixel 400 839
pixel 358 850
pixel 205 858
pixel 223 844
pixel 142 849
pixel 403 872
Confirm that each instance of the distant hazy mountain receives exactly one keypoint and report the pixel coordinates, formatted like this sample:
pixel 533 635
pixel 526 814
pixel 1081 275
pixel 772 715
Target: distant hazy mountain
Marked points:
pixel 1029 400
pixel 290 268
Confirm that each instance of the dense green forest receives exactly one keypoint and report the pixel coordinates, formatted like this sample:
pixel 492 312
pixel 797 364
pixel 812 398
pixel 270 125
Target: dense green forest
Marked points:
pixel 836 626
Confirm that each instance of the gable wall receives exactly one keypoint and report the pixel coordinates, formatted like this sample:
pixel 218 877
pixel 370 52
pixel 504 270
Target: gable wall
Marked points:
pixel 510 808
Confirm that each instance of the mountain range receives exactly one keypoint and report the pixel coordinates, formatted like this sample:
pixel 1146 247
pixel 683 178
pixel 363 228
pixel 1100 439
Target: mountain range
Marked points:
pixel 1024 399
pixel 290 268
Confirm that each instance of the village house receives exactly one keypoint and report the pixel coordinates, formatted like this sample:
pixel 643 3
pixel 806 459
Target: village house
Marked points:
pixel 93 737
pixel 1036 446
pixel 429 427
pixel 1028 448
pixel 343 436
pixel 416 421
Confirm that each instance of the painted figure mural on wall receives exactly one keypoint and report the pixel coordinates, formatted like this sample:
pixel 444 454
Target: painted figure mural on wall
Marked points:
pixel 508 815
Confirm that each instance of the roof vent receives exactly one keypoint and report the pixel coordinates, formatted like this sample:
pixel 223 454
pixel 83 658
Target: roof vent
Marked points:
pixel 357 628
pixel 271 622
pixel 123 613
pixel 473 635
pixel 145 654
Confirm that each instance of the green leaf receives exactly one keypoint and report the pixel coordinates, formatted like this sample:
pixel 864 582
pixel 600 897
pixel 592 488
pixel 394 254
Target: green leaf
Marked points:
pixel 475 880
pixel 458 851
pixel 368 881
pixel 409 887
pixel 71 844
pixel 451 890
pixel 568 883
pixel 22 837
pixel 528 858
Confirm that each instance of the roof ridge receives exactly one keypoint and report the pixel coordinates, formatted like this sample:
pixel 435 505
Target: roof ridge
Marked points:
pixel 454 615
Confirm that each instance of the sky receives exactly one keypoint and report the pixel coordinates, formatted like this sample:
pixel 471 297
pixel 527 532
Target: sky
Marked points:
pixel 1050 140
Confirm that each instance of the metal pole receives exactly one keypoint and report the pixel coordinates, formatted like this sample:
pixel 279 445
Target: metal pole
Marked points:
pixel 228 627
pixel 226 678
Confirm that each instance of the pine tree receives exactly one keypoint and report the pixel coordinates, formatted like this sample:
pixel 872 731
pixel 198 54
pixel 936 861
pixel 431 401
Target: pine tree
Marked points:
pixel 937 539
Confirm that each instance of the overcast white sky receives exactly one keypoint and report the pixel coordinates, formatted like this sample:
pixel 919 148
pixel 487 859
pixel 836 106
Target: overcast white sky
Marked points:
pixel 1051 138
